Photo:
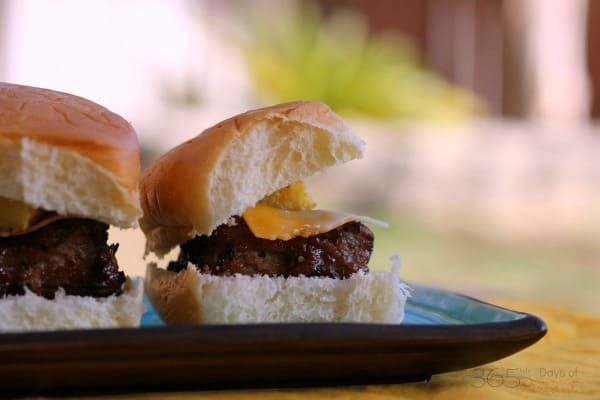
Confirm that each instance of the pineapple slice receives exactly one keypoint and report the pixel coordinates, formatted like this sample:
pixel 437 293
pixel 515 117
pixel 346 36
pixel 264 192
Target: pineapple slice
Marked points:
pixel 292 197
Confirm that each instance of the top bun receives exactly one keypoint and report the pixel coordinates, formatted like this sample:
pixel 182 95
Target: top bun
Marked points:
pixel 67 154
pixel 231 166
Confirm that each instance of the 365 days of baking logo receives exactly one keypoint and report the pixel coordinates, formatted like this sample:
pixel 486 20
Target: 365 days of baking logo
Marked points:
pixel 545 380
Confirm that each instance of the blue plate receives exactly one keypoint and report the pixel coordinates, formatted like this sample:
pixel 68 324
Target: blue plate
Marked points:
pixel 429 306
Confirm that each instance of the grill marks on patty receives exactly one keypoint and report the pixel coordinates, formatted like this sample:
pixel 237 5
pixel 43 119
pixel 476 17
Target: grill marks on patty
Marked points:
pixel 70 253
pixel 232 249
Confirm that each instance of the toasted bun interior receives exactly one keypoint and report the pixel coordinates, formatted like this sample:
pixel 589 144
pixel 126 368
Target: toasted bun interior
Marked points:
pixel 66 154
pixel 198 185
pixel 31 312
pixel 192 297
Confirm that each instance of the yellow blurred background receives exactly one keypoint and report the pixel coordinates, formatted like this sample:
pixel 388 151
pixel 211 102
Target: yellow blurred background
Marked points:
pixel 483 148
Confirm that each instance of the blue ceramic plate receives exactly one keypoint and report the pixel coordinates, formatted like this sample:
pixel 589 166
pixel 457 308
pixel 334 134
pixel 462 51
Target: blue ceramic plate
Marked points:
pixel 442 332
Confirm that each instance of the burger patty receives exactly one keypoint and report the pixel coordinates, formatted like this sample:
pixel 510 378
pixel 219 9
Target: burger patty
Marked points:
pixel 233 249
pixel 71 254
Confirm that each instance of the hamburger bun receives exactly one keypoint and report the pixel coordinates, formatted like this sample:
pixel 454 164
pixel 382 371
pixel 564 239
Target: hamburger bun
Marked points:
pixel 202 183
pixel 30 312
pixel 193 297
pixel 69 155
pixel 199 184
pixel 69 158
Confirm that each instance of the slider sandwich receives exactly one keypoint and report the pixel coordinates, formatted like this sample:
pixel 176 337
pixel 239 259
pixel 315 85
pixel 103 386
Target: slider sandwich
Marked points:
pixel 69 169
pixel 252 248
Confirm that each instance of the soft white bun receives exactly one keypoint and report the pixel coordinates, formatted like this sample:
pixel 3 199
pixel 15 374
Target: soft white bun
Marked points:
pixel 192 297
pixel 229 167
pixel 31 312
pixel 66 154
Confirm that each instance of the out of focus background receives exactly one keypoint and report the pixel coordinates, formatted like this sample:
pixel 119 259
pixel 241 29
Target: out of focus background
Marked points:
pixel 480 115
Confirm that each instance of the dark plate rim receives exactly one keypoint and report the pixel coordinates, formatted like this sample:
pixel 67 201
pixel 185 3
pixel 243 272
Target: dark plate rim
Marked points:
pixel 263 355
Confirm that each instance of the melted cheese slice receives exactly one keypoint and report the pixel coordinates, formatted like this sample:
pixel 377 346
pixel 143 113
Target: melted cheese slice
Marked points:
pixel 18 218
pixel 272 223
pixel 15 214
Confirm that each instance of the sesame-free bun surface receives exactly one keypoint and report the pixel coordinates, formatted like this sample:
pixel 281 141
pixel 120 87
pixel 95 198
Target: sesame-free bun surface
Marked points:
pixel 67 154
pixel 229 167
pixel 191 297
pixel 30 312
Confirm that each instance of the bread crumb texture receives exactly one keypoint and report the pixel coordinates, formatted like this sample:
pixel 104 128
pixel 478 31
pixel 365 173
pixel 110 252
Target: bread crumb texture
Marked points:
pixel 31 312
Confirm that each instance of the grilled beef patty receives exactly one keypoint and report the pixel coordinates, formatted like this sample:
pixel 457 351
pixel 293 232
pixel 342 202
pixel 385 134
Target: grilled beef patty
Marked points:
pixel 232 249
pixel 69 253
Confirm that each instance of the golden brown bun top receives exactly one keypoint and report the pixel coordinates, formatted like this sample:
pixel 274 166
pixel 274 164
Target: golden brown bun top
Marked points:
pixel 229 167
pixel 73 123
pixel 65 154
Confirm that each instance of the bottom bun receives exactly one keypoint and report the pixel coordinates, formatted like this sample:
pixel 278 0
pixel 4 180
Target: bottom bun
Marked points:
pixel 192 297
pixel 30 312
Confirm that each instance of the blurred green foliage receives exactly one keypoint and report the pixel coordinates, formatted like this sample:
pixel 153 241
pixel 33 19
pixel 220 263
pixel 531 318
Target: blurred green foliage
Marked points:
pixel 302 55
